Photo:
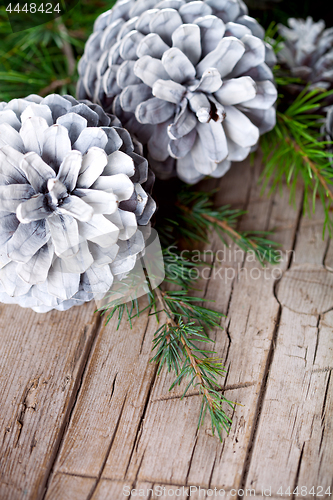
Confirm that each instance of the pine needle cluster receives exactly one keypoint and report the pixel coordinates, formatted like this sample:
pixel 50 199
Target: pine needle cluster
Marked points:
pixel 43 59
pixel 295 151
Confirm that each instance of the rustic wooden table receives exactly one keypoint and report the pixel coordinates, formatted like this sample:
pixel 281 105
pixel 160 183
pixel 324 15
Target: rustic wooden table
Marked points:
pixel 84 414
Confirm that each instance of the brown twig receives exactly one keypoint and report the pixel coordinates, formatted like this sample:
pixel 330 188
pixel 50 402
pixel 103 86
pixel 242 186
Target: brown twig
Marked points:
pixel 66 47
pixel 53 86
pixel 221 223
pixel 313 167
pixel 193 360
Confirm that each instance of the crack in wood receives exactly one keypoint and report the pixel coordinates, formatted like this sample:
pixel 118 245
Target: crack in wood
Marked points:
pixel 191 457
pixel 76 474
pixel 317 339
pixel 260 403
pixel 142 418
pixel 28 402
pixel 298 471
pixel 213 467
pixel 190 394
pixel 297 227
pixel 326 252
pixel 143 337
pixel 325 396
pixel 93 489
pixel 113 387
pixel 33 443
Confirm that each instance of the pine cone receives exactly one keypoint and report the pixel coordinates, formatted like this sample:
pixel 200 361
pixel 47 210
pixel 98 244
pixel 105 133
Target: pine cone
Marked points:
pixel 73 190
pixel 308 51
pixel 188 79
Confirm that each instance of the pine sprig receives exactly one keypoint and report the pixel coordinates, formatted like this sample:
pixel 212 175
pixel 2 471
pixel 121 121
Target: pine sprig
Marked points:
pixel 176 341
pixel 43 59
pixel 294 150
pixel 198 216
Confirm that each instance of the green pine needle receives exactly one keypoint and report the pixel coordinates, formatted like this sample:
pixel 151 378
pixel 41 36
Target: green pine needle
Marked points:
pixel 197 216
pixel 295 150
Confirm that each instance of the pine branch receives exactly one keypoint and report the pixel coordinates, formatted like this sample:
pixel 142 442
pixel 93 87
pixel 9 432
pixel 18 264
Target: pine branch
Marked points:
pixel 30 59
pixel 312 166
pixel 201 367
pixel 200 216
pixel 176 341
pixel 295 150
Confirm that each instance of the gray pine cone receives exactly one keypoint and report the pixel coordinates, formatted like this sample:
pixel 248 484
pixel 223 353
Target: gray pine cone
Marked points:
pixel 191 80
pixel 73 193
pixel 308 51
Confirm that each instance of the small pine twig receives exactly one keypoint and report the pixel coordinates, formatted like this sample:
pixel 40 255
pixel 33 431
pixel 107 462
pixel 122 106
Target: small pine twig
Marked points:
pixel 312 166
pixel 54 86
pixel 225 226
pixel 175 341
pixel 294 150
pixel 194 362
pixel 199 215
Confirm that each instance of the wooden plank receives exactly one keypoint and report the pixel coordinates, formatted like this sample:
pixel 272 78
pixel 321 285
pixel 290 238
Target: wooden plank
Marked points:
pixel 294 437
pixel 170 447
pixel 42 360
pixel 110 407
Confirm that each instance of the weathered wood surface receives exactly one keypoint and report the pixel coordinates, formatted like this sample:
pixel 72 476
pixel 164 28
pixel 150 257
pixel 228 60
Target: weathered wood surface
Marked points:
pixel 84 414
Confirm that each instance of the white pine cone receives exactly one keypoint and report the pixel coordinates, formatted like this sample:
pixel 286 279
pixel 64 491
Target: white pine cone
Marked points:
pixel 73 190
pixel 308 51
pixel 190 80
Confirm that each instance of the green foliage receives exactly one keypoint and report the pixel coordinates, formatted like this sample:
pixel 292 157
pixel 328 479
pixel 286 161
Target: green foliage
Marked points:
pixel 43 59
pixel 295 151
pixel 177 343
pixel 197 216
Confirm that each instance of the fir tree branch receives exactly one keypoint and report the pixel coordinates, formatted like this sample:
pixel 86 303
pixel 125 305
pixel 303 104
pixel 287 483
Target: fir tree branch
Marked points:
pixel 199 216
pixel 295 150
pixel 204 370
pixel 176 341
pixel 312 166
pixel 193 360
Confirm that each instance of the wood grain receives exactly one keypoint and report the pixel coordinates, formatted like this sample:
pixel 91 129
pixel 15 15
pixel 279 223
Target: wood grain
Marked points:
pixel 97 418
pixel 294 435
pixel 111 404
pixel 252 312
pixel 42 360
